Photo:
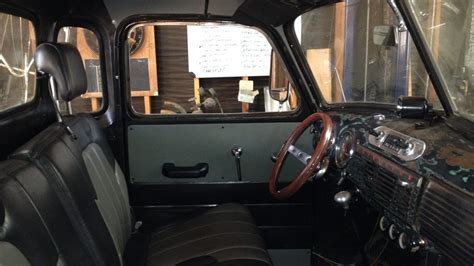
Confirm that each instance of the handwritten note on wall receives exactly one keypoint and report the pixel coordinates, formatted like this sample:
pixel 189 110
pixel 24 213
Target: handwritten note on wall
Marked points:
pixel 227 51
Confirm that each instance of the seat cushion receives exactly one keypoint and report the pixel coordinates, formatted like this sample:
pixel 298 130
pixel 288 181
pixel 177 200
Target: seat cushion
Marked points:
pixel 224 235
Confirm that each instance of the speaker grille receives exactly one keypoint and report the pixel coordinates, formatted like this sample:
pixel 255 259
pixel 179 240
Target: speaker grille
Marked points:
pixel 446 217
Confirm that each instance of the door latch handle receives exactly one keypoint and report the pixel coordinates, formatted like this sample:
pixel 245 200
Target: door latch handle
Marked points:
pixel 237 153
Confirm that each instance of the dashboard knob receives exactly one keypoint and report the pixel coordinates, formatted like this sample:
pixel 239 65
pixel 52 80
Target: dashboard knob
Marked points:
pixel 384 223
pixel 393 232
pixel 412 243
pixel 403 241
pixel 343 198
pixel 417 243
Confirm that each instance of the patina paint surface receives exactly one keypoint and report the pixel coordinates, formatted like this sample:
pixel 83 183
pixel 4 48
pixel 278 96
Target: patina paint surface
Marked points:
pixel 449 156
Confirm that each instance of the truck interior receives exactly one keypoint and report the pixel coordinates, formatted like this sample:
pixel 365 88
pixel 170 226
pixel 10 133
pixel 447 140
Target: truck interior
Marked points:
pixel 236 132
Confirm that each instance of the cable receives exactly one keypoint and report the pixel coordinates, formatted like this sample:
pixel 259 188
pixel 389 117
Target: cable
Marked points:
pixel 370 243
pixel 15 71
pixel 381 252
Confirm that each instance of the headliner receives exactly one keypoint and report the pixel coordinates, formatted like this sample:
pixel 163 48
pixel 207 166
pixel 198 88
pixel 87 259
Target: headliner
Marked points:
pixel 275 12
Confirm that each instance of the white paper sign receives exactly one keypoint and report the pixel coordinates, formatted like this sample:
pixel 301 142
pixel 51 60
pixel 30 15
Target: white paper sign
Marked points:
pixel 246 92
pixel 227 51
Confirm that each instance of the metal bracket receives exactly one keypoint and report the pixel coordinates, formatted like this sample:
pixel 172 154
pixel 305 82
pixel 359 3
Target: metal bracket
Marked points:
pixel 402 27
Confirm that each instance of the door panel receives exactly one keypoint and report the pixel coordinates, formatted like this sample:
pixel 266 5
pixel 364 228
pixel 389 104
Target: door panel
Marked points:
pixel 151 146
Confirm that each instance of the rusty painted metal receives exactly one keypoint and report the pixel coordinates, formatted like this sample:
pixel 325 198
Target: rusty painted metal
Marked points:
pixel 449 156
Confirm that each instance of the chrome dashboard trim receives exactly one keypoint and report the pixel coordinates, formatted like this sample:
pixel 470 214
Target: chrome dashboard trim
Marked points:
pixel 414 150
pixel 341 164
pixel 299 154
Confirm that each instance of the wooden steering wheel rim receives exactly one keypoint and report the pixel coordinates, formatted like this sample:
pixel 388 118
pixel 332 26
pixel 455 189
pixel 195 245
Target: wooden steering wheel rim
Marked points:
pixel 320 151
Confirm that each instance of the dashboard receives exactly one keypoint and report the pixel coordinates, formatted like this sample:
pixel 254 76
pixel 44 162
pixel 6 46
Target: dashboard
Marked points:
pixel 421 180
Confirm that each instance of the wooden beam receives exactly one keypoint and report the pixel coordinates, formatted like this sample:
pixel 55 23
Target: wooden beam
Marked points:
pixel 245 106
pixel 293 98
pixel 319 61
pixel 152 60
pixel 273 74
pixel 339 41
pixel 410 78
pixel 147 104
pixel 197 97
pixel 435 38
pixel 94 104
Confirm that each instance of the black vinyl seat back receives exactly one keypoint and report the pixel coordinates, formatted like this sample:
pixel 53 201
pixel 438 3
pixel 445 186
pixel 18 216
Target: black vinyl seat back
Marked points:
pixel 73 154
pixel 20 223
pixel 59 158
pixel 33 220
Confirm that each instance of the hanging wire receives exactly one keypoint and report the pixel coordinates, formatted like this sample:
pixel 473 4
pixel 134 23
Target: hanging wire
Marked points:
pixel 18 72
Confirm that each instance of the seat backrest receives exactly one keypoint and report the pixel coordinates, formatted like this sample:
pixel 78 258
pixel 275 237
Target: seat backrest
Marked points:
pixel 76 153
pixel 33 225
pixel 11 255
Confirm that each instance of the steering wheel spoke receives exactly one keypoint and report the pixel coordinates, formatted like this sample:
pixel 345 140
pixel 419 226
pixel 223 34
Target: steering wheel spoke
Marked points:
pixel 299 154
pixel 316 162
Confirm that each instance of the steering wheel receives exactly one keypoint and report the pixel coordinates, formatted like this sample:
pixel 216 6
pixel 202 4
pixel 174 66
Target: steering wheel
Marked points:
pixel 312 162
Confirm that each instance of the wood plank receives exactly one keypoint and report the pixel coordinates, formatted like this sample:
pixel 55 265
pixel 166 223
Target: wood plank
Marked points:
pixel 339 43
pixel 84 48
pixel 410 78
pixel 319 61
pixel 147 103
pixel 431 95
pixel 94 104
pixel 245 106
pixel 273 73
pixel 197 97
pixel 293 98
pixel 152 64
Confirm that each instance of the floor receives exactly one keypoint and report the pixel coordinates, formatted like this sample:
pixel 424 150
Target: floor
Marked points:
pixel 290 257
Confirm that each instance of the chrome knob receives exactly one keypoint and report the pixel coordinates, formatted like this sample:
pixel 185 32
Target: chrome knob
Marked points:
pixel 343 198
pixel 384 223
pixel 237 152
pixel 393 232
pixel 403 240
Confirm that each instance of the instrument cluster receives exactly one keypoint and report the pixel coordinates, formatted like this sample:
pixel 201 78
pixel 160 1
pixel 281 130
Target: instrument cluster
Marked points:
pixel 345 148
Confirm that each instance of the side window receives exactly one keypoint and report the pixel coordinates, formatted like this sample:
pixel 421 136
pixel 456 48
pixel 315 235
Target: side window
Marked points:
pixel 87 43
pixel 177 68
pixel 17 70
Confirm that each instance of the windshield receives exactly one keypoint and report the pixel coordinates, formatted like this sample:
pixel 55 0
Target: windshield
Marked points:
pixel 358 53
pixel 448 30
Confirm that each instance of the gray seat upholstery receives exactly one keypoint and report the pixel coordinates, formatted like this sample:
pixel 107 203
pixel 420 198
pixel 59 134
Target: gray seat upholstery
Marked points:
pixel 33 225
pixel 75 157
pixel 224 233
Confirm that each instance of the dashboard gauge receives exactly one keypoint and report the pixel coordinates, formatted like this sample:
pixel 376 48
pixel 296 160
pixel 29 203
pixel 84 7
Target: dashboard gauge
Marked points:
pixel 345 148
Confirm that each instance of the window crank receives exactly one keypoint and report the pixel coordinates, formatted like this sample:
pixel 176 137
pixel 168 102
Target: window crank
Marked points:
pixel 237 153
